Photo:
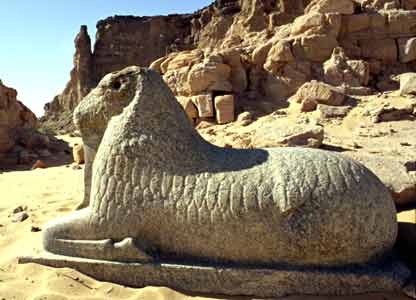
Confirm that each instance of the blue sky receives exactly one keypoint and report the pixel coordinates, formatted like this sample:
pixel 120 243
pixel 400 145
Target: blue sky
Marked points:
pixel 37 37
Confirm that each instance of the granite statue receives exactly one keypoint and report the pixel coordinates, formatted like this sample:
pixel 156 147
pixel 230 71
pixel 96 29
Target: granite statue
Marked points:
pixel 168 208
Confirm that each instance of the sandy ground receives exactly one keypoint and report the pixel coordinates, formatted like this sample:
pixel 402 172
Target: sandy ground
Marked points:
pixel 48 194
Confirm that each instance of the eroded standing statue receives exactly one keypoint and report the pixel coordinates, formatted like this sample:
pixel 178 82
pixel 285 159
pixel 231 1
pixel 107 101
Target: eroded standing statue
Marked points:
pixel 168 208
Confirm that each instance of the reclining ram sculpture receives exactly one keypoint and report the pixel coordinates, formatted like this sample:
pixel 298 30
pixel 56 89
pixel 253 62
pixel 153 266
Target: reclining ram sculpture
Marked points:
pixel 168 208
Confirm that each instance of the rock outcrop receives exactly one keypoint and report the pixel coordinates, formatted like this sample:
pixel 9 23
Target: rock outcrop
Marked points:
pixel 20 142
pixel 13 115
pixel 252 49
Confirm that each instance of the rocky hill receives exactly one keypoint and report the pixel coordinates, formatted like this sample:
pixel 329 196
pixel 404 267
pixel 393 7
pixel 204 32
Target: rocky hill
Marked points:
pixel 257 48
pixel 126 40
pixel 20 142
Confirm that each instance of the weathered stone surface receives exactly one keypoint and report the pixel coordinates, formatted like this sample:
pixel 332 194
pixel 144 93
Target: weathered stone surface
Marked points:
pixel 204 105
pixel 316 48
pixel 189 108
pixel 339 69
pixel 293 136
pixel 78 154
pixel 382 49
pixel 279 54
pixel 20 217
pixel 209 76
pixel 312 93
pixel 393 174
pixel 328 111
pixel 345 7
pixel 407 50
pixel 13 115
pixel 264 283
pixel 408 84
pixel 225 109
pixel 393 110
pixel 81 80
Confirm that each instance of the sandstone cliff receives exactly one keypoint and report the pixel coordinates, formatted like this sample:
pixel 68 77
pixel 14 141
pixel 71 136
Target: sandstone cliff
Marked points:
pixel 259 52
pixel 20 142
pixel 13 115
pixel 126 40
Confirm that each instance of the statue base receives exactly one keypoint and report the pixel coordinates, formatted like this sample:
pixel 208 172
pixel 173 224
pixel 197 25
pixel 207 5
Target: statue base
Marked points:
pixel 389 276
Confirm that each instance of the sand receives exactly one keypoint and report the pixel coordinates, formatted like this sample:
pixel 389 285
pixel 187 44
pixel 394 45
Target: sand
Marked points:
pixel 48 194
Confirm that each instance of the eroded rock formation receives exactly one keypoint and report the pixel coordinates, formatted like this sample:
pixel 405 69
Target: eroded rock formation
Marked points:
pixel 20 142
pixel 13 115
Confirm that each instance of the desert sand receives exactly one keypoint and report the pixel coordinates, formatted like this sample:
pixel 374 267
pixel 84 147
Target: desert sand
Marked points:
pixel 48 194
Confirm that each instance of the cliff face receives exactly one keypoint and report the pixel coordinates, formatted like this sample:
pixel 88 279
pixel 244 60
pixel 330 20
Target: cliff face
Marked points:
pixel 252 49
pixel 13 115
pixel 126 40
pixel 120 42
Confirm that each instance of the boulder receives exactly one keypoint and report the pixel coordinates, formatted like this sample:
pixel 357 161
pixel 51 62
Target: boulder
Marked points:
pixel 316 48
pixel 209 76
pixel 316 24
pixel 339 70
pixel 281 135
pixel 39 164
pixel 13 115
pixel 183 59
pixel 279 54
pixel 204 105
pixel 313 93
pixel 328 111
pixel 189 107
pixel 225 109
pixel 392 173
pixel 260 54
pixel 408 84
pixel 344 7
pixel 78 154
pixel 407 50
pixel 394 109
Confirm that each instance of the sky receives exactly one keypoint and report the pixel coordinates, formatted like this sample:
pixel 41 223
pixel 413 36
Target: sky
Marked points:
pixel 37 39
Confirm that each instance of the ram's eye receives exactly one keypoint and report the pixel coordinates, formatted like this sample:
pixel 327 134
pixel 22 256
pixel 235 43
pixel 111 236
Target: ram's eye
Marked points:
pixel 116 85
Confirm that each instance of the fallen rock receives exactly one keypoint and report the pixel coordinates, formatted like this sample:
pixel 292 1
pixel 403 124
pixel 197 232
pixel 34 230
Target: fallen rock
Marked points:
pixel 281 135
pixel 392 109
pixel 408 84
pixel 279 54
pixel 316 48
pixel 18 209
pixel 340 70
pixel 210 75
pixel 328 111
pixel 78 154
pixel 204 105
pixel 313 93
pixel 39 164
pixel 35 229
pixel 20 217
pixel 224 107
pixel 189 108
pixel 245 118
pixel 392 173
